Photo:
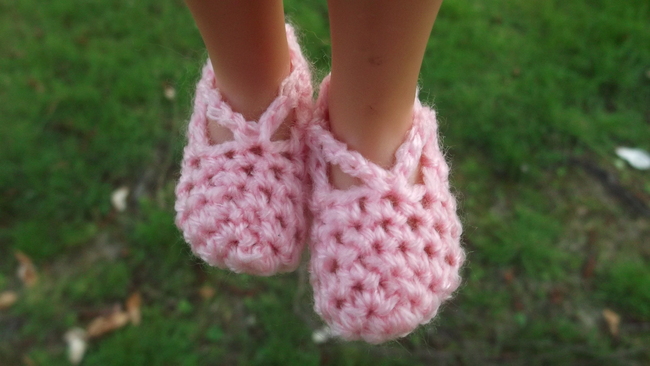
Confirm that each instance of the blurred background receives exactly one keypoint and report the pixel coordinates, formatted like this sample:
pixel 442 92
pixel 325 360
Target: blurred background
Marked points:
pixel 535 98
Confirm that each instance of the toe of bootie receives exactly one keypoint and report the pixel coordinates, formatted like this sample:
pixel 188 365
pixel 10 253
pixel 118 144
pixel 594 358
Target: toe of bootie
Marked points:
pixel 385 254
pixel 243 209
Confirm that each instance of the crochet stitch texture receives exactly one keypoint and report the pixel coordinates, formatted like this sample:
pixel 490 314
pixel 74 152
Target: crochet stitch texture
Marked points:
pixel 241 204
pixel 386 254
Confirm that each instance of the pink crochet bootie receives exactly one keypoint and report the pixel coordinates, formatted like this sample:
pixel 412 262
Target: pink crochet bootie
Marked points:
pixel 385 254
pixel 241 203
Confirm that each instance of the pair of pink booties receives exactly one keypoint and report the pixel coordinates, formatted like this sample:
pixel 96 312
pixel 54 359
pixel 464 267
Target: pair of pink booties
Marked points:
pixel 384 254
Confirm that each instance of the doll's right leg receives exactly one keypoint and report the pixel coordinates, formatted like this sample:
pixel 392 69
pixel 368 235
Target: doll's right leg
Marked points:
pixel 247 44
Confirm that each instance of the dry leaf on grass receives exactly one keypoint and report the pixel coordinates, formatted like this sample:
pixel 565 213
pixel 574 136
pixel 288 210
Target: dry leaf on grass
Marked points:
pixel 509 275
pixel 76 339
pixel 27 361
pixel 133 304
pixel 613 320
pixel 118 198
pixel 322 335
pixel 7 299
pixel 107 323
pixel 206 292
pixel 26 269
pixel 169 91
pixel 637 158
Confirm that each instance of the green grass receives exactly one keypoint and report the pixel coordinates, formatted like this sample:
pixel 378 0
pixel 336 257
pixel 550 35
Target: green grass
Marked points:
pixel 626 284
pixel 521 87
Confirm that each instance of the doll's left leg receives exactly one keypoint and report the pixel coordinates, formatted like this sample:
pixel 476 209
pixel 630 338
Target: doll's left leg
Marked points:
pixel 377 52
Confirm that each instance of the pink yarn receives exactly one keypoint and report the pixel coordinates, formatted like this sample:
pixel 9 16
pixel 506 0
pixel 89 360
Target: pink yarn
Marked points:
pixel 386 254
pixel 240 204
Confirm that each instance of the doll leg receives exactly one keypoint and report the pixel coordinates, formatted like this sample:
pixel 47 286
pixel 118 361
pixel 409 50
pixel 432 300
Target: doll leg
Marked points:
pixel 247 44
pixel 377 52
